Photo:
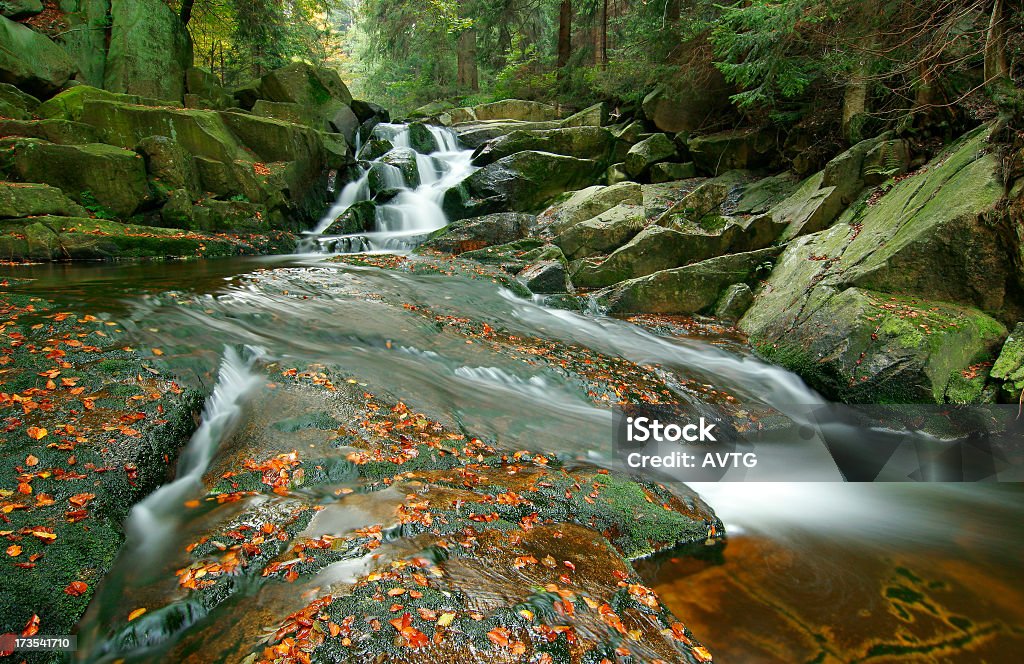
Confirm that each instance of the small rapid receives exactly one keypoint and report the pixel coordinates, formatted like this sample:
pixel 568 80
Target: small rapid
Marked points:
pixel 406 199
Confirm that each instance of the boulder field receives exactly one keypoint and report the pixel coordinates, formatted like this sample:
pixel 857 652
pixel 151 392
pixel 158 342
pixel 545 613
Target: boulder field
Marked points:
pixel 888 276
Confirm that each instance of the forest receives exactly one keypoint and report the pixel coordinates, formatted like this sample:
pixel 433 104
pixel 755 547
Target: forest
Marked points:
pixel 327 329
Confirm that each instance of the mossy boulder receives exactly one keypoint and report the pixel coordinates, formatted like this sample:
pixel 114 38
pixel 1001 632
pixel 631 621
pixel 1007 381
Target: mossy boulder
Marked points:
pixel 1009 366
pixel 70 104
pixel 168 164
pixel 515 109
pixel 675 111
pixel 588 203
pixel 650 151
pixel 202 133
pixel 359 218
pixel 207 89
pixel 19 9
pixel 284 111
pixel 92 174
pixel 735 148
pixel 861 346
pixel 85 40
pixel 545 277
pixel 691 289
pixel 149 50
pixel 881 306
pixel 592 116
pixel 671 172
pixel 474 134
pixel 583 142
pixel 514 257
pixel 605 232
pixel 404 159
pixel 19 199
pixel 30 61
pixel 734 302
pixel 54 131
pixel 318 91
pixel 479 232
pixel 523 182
pixel 375 149
pixel 15 104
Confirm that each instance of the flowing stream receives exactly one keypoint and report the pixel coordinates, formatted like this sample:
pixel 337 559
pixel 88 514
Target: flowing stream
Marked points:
pixel 822 572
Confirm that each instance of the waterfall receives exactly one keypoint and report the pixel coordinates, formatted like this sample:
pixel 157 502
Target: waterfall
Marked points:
pixel 408 216
pixel 152 522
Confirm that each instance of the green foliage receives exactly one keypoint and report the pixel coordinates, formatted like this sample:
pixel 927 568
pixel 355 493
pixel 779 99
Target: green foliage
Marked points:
pixel 762 49
pixel 95 208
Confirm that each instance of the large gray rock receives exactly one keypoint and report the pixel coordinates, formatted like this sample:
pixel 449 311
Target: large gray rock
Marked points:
pixel 15 104
pixel 474 134
pixel 879 306
pixel 583 142
pixel 85 39
pixel 30 61
pixel 686 110
pixel 545 277
pixel 404 159
pixel 515 109
pixel 522 182
pixel 650 151
pixel 589 203
pixel 358 218
pixel 670 172
pixel 54 131
pixel 605 232
pixel 480 232
pixel 149 50
pixel 736 148
pixel 687 290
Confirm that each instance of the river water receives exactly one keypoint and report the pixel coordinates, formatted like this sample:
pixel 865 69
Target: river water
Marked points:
pixel 813 571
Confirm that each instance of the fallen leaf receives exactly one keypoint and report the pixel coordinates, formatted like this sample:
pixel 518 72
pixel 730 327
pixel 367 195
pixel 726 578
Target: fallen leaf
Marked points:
pixel 36 433
pixel 135 614
pixel 76 588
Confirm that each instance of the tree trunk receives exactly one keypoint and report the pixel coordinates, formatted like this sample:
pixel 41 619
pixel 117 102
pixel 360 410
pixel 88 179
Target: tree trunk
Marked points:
pixel 996 65
pixel 673 11
pixel 468 78
pixel 601 34
pixel 186 11
pixel 564 36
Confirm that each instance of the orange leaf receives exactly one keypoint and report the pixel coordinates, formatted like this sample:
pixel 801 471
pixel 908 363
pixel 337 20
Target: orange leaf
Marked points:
pixel 135 614
pixel 36 433
pixel 76 588
pixel 31 460
pixel 14 550
pixel 31 627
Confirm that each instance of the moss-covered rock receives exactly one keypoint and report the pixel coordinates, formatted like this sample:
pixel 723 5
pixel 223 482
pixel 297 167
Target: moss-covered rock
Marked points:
pixel 168 164
pixel 650 151
pixel 479 232
pixel 358 218
pixel 543 277
pixel 31 200
pixel 592 116
pixel 15 104
pixel 85 40
pixel 109 178
pixel 736 148
pixel 605 232
pixel 1009 366
pixel 404 159
pixel 30 61
pixel 474 134
pixel 587 204
pixel 523 182
pixel 670 172
pixel 207 89
pixel 19 9
pixel 148 50
pixel 692 289
pixel 54 131
pixel 582 142
pixel 285 111
pixel 202 133
pixel 688 109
